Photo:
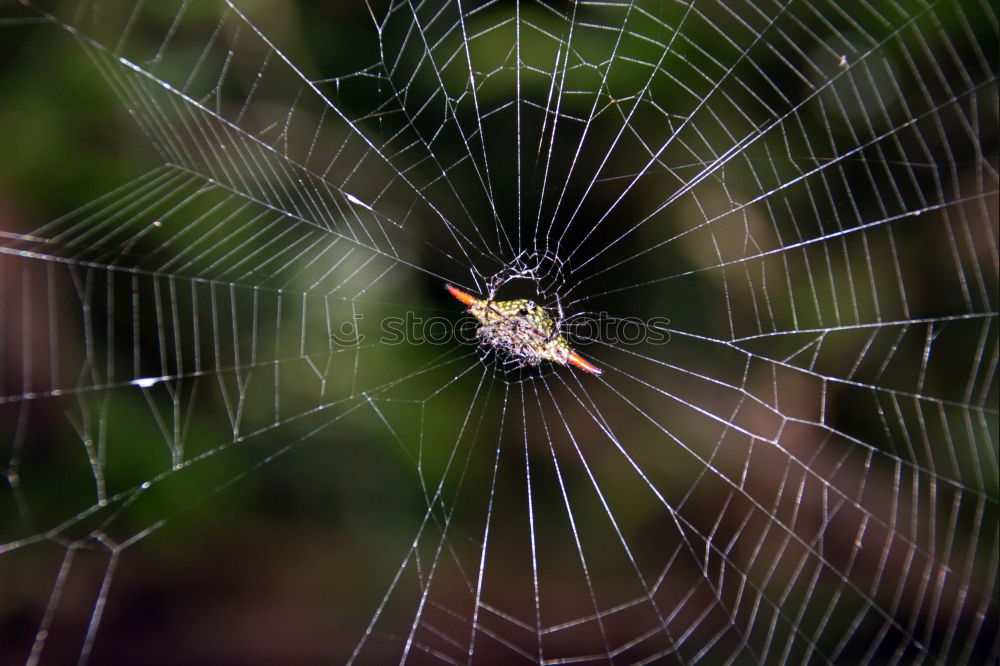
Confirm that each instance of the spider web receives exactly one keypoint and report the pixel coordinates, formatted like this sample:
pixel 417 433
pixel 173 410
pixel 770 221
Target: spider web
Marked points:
pixel 213 451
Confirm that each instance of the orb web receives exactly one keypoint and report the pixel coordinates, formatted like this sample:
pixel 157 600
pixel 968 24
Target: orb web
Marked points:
pixel 228 423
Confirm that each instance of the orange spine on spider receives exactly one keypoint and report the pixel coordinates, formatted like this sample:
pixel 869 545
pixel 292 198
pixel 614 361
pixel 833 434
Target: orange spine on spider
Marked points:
pixel 523 329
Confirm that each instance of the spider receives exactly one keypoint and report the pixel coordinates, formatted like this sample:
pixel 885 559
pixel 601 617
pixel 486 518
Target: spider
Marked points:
pixel 523 329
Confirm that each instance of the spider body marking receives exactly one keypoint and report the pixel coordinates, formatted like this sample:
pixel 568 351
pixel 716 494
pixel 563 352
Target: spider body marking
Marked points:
pixel 523 329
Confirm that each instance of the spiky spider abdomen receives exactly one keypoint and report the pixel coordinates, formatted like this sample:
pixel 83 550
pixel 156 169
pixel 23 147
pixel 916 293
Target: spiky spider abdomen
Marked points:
pixel 522 329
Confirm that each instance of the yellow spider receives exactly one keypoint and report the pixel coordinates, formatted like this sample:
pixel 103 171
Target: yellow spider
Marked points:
pixel 523 329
